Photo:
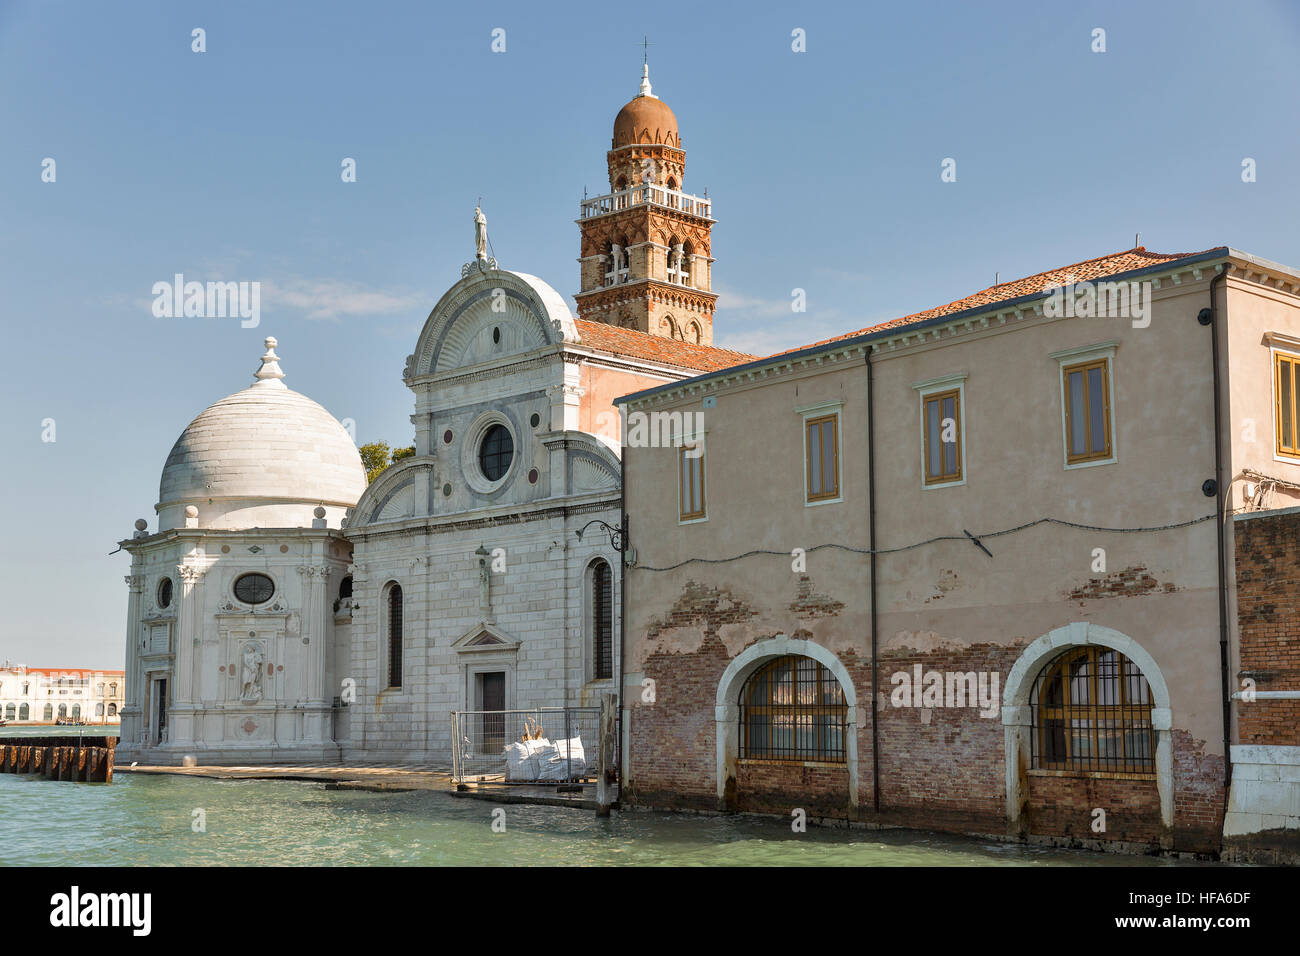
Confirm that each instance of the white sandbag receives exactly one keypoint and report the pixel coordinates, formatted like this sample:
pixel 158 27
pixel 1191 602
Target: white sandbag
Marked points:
pixel 568 760
pixel 520 763
pixel 523 760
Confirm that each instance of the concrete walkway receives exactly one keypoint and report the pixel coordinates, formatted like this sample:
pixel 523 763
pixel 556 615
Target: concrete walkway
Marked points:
pixel 389 778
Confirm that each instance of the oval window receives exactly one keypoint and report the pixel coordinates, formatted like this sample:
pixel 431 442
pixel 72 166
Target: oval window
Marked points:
pixel 165 592
pixel 496 452
pixel 254 588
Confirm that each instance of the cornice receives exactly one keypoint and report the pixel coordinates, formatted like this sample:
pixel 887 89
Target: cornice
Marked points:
pixel 995 317
pixel 425 525
pixel 848 356
pixel 639 290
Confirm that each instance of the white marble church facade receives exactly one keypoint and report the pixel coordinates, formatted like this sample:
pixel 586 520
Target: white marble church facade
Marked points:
pixel 496 591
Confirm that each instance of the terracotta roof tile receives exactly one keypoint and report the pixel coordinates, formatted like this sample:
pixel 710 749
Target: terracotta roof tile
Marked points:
pixel 656 348
pixel 1107 265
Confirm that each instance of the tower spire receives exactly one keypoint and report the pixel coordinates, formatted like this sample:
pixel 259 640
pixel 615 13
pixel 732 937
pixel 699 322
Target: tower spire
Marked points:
pixel 645 68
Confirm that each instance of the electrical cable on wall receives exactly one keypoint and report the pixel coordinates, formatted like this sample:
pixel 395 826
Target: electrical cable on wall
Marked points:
pixel 964 536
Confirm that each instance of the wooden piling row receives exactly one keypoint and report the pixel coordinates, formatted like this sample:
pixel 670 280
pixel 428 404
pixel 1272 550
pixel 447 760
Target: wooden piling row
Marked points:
pixel 84 760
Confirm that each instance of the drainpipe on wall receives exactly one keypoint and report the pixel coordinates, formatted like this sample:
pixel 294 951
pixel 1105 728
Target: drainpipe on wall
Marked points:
pixel 622 621
pixel 871 539
pixel 1210 317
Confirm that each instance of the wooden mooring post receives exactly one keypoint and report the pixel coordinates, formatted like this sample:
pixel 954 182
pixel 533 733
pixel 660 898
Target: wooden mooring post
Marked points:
pixel 605 753
pixel 80 759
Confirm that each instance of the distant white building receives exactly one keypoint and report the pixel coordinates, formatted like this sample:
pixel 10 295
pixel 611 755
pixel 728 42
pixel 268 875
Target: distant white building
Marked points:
pixel 45 695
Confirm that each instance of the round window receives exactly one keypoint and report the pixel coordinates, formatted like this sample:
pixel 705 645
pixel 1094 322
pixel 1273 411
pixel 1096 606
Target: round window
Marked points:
pixel 254 588
pixel 165 592
pixel 495 452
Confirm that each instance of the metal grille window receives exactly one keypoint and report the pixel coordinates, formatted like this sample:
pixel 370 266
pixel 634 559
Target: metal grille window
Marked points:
pixel 1091 709
pixel 602 615
pixel 496 452
pixel 395 636
pixel 793 708
pixel 254 588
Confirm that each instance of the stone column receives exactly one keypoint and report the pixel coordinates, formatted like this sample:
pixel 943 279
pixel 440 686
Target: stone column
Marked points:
pixel 185 650
pixel 133 693
pixel 314 631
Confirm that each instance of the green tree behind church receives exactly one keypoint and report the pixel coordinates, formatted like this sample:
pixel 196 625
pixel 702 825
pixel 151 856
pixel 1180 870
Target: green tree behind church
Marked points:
pixel 377 456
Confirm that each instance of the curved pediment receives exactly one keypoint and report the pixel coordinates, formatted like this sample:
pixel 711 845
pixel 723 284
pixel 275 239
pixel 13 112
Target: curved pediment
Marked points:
pixel 593 467
pixel 488 314
pixel 392 496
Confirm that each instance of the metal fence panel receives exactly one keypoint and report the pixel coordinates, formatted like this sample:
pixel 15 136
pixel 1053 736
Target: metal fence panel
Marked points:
pixel 563 742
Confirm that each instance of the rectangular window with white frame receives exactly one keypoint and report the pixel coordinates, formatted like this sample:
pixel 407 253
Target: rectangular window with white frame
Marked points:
pixel 943 430
pixel 690 484
pixel 821 442
pixel 1087 405
pixel 1286 376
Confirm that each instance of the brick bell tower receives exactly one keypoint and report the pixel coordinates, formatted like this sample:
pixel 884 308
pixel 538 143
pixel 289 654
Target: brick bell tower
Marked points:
pixel 646 245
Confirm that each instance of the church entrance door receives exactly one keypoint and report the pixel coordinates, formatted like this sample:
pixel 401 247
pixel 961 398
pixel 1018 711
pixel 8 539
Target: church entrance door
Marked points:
pixel 492 696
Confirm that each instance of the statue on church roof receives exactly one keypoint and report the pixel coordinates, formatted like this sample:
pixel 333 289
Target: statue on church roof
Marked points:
pixel 480 234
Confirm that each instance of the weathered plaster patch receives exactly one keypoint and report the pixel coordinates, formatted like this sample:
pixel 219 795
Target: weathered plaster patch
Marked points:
pixel 813 603
pixel 702 605
pixel 947 582
pixel 1131 582
pixel 921 641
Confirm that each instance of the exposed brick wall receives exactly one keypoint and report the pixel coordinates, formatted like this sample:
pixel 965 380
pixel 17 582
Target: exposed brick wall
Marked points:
pixel 1063 806
pixel 673 747
pixel 939 767
pixel 821 791
pixel 1198 795
pixel 1130 582
pixel 1268 614
pixel 942 768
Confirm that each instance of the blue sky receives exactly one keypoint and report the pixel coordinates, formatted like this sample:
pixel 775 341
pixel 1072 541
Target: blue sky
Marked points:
pixel 824 167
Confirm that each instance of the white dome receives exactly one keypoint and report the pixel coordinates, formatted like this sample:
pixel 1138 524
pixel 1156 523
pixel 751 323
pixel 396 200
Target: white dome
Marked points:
pixel 263 457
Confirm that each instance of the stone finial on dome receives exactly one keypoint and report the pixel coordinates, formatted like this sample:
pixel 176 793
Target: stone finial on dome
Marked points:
pixel 645 82
pixel 269 373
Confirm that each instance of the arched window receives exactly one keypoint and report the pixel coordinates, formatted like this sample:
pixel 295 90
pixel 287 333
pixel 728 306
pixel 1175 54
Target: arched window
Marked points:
pixel 99 710
pixel 395 636
pixel 792 708
pixel 63 710
pixel 112 710
pixel 11 712
pixel 1091 710
pixel 602 620
pixel 345 588
pixel 49 712
pixel 76 711
pixel 24 712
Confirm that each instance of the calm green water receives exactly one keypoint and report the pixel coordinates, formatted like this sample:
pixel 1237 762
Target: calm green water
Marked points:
pixel 144 819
